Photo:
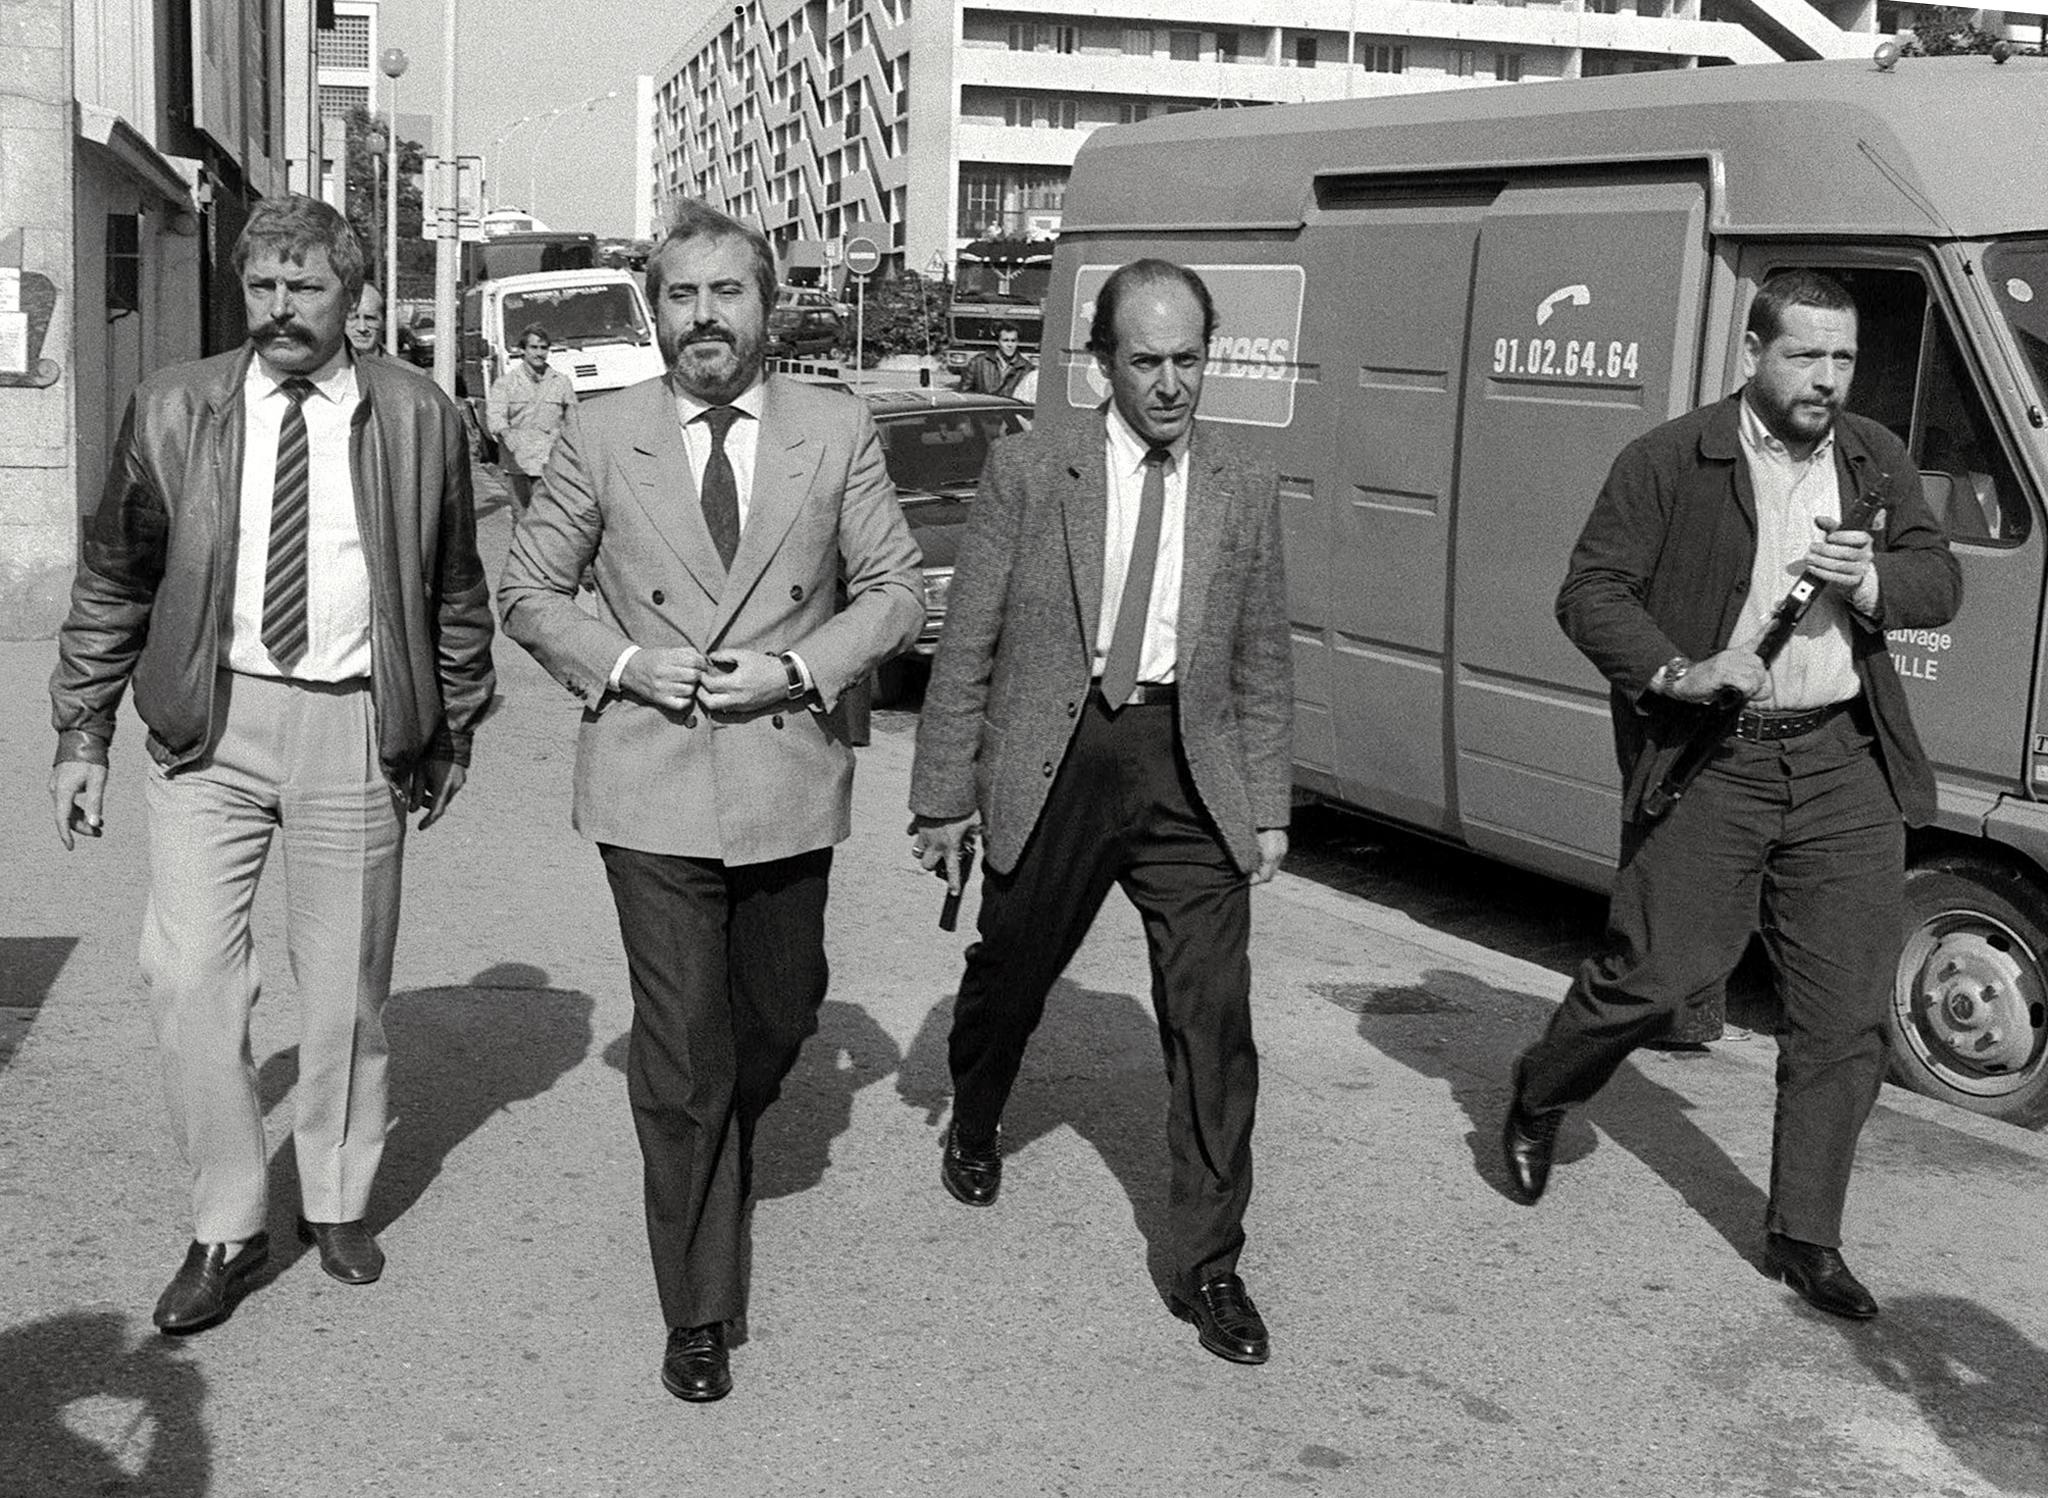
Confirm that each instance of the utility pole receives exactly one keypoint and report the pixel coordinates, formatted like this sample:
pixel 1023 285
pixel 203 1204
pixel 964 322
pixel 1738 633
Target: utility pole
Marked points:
pixel 448 222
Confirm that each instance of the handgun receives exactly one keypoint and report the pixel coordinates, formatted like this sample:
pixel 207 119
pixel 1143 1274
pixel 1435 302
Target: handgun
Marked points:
pixel 949 908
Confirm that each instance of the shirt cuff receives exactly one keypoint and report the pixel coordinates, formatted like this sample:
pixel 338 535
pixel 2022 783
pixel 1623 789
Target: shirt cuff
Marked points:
pixel 1863 597
pixel 611 682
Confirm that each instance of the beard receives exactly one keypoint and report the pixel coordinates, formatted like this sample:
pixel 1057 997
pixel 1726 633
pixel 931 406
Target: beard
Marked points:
pixel 711 362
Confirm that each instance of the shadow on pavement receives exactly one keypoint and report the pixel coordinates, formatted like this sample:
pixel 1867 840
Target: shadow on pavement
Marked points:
pixel 28 966
pixel 459 1056
pixel 1095 1066
pixel 1981 1384
pixel 1467 1033
pixel 85 1411
pixel 793 1142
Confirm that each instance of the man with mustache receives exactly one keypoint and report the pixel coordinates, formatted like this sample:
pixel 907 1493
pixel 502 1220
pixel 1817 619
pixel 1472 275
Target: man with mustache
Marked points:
pixel 1112 703
pixel 284 565
pixel 750 565
pixel 1796 829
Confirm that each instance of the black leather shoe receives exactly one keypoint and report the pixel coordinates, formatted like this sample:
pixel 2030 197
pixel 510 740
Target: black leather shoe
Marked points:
pixel 696 1366
pixel 1819 1276
pixel 973 1174
pixel 347 1251
pixel 204 1289
pixel 1528 1140
pixel 1228 1321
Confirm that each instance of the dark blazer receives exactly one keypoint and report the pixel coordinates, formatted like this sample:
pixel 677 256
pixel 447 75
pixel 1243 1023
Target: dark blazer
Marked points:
pixel 618 499
pixel 156 570
pixel 1013 665
pixel 1664 561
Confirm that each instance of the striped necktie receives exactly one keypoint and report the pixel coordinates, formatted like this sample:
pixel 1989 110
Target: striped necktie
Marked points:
pixel 284 573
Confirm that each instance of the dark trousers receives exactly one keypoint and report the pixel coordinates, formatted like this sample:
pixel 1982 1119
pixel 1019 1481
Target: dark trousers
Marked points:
pixel 727 964
pixel 1123 811
pixel 1802 842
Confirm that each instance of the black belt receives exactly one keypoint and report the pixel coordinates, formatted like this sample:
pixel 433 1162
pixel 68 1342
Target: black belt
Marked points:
pixel 1765 726
pixel 1144 694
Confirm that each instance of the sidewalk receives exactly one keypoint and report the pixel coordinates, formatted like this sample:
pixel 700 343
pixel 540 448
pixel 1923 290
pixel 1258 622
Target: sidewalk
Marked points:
pixel 1431 1338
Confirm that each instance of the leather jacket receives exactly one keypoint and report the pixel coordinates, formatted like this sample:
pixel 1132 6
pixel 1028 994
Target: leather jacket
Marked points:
pixel 153 598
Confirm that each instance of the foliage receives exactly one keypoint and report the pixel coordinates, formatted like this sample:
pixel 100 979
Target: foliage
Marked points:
pixel 366 204
pixel 1944 31
pixel 906 314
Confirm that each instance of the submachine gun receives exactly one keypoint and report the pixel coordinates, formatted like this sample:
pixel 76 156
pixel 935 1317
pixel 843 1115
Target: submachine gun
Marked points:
pixel 1720 712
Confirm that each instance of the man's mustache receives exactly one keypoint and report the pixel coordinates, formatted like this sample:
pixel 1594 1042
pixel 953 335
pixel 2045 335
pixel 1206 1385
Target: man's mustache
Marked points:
pixel 292 331
pixel 708 333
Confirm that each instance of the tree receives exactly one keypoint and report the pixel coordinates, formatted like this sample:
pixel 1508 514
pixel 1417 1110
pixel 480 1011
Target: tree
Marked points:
pixel 905 315
pixel 366 204
pixel 1943 31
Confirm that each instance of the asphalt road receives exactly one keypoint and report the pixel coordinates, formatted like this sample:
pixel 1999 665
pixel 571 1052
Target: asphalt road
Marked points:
pixel 1431 1337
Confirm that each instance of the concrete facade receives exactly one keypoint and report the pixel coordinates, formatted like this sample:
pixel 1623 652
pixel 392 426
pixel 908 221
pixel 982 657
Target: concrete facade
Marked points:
pixel 134 135
pixel 930 123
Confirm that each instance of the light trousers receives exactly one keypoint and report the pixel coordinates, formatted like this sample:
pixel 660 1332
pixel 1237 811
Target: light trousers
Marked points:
pixel 297 762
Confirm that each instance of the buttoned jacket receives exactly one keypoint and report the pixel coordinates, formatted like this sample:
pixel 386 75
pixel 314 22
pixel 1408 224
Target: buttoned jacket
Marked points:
pixel 826 567
pixel 1012 672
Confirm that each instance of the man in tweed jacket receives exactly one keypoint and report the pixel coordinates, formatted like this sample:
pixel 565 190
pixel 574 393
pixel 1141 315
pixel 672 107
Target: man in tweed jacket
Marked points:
pixel 1112 701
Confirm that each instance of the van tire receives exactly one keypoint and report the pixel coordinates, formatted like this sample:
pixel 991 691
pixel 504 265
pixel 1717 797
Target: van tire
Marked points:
pixel 1968 1022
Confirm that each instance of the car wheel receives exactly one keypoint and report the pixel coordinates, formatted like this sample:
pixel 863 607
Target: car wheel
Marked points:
pixel 1969 1015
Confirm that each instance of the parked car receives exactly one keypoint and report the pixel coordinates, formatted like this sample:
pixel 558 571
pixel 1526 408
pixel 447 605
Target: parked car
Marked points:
pixel 416 340
pixel 935 443
pixel 804 332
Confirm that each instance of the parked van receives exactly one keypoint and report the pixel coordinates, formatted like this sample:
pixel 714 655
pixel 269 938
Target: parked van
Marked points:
pixel 598 319
pixel 1444 315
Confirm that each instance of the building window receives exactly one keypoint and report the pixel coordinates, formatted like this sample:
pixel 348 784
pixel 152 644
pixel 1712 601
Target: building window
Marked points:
pixel 1304 52
pixel 1017 112
pixel 346 45
pixel 337 99
pixel 1063 114
pixel 1507 67
pixel 1226 46
pixel 981 204
pixel 1137 41
pixel 1184 46
pixel 1462 63
pixel 1130 113
pixel 124 265
pixel 1382 57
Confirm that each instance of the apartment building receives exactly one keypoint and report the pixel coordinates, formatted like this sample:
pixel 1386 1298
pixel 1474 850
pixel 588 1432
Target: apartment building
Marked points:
pixel 926 124
pixel 135 137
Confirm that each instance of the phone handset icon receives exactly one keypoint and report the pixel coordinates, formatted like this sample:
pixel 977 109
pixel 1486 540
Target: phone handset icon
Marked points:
pixel 1577 296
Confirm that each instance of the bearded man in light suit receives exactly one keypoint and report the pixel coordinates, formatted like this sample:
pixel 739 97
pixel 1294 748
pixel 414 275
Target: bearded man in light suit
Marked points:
pixel 1113 703
pixel 720 511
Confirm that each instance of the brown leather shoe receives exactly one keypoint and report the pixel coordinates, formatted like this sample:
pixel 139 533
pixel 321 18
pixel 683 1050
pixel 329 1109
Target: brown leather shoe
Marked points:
pixel 697 1366
pixel 207 1284
pixel 1819 1276
pixel 1229 1324
pixel 347 1251
pixel 972 1173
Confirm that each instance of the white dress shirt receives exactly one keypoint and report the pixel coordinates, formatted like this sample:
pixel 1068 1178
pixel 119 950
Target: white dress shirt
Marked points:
pixel 1124 452
pixel 337 573
pixel 1816 667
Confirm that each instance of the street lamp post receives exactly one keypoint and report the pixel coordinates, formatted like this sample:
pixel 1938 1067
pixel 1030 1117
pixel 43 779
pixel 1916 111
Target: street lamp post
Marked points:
pixel 394 62
pixel 447 238
pixel 540 135
pixel 498 200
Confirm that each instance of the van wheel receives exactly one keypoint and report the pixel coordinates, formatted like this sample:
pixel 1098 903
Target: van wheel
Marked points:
pixel 1969 1016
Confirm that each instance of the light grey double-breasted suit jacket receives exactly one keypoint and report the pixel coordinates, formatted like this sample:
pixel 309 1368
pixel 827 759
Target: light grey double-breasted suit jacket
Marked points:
pixel 826 567
pixel 1013 667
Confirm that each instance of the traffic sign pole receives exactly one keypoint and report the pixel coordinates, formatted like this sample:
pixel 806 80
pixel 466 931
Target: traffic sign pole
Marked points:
pixel 863 259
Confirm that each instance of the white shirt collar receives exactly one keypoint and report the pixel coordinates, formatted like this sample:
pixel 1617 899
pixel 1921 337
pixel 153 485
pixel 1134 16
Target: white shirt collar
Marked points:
pixel 336 379
pixel 1129 449
pixel 750 400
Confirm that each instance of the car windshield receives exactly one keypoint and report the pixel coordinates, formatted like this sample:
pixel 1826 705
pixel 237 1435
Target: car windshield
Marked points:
pixel 577 315
pixel 942 452
pixel 2017 270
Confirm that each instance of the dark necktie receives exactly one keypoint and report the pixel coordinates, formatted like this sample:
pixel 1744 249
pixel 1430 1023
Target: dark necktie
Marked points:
pixel 721 489
pixel 1127 642
pixel 284 573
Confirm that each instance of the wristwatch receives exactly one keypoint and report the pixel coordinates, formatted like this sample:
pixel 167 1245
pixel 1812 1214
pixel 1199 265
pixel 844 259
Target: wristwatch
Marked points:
pixel 1671 673
pixel 796 677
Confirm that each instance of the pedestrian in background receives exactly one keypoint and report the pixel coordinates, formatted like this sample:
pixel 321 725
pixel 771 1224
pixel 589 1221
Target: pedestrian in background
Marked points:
pixel 527 407
pixel 366 322
pixel 751 565
pixel 997 371
pixel 1796 829
pixel 1117 710
pixel 284 565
